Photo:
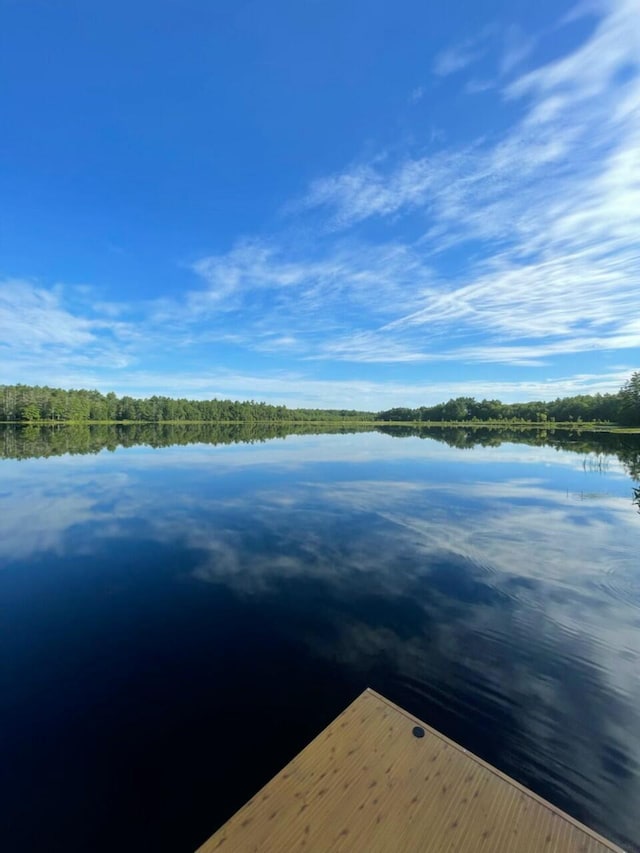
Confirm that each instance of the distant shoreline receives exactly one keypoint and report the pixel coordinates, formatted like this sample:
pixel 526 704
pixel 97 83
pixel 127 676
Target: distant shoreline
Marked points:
pixel 38 404
pixel 547 426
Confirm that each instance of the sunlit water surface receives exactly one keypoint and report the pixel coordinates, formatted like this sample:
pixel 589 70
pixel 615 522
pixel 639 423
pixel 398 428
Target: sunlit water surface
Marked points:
pixel 177 623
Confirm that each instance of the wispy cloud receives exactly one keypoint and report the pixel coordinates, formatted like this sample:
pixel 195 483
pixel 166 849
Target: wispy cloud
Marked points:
pixel 298 388
pixel 463 54
pixel 289 294
pixel 34 317
pixel 507 49
pixel 555 203
pixel 475 86
pixel 517 48
pixel 47 329
pixel 519 247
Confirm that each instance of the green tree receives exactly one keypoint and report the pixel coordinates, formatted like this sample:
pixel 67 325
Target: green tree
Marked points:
pixel 30 412
pixel 630 400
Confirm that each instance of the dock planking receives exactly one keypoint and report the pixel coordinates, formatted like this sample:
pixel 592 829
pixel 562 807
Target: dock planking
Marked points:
pixel 378 779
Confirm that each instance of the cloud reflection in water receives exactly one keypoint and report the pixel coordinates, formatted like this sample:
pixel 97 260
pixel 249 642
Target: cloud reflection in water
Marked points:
pixel 475 587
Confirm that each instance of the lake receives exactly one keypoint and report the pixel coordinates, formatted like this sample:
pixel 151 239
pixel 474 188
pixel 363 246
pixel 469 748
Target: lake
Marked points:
pixel 180 617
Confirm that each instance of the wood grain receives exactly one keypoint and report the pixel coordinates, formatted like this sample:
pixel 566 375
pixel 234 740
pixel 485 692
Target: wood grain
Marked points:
pixel 366 784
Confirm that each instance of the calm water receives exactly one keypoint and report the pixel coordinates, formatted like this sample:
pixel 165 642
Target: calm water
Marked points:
pixel 178 622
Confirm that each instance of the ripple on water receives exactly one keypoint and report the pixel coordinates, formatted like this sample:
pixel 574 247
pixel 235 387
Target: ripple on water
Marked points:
pixel 621 583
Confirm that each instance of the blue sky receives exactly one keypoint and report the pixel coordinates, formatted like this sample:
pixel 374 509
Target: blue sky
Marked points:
pixel 320 202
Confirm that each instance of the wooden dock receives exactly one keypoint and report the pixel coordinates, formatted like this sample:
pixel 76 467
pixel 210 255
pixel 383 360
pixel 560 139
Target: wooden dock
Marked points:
pixel 378 780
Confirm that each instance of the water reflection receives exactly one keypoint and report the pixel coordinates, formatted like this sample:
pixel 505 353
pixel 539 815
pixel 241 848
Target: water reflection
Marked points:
pixel 481 589
pixel 34 441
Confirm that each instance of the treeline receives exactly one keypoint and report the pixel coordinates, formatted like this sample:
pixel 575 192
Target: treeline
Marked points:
pixel 31 404
pixel 621 408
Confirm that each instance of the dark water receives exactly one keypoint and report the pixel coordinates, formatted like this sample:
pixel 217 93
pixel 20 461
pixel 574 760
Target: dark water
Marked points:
pixel 177 622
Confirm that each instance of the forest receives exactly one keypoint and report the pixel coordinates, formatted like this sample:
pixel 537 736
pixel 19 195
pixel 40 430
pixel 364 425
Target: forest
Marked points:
pixel 621 408
pixel 41 404
pixel 33 404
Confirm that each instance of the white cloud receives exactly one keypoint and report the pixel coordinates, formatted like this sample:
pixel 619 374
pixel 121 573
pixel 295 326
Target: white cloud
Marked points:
pixel 461 55
pixel 289 295
pixel 554 202
pixel 295 388
pixel 548 214
pixel 49 332
pixel 475 86
pixel 518 47
pixel 581 298
pixel 34 317
pixel 592 68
